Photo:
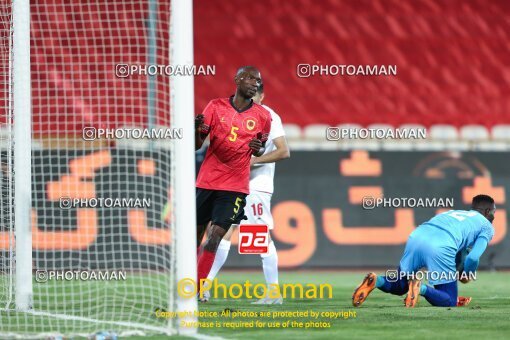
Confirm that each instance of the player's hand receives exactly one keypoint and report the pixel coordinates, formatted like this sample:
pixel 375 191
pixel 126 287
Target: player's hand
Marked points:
pixel 463 277
pixel 464 280
pixel 199 120
pixel 255 145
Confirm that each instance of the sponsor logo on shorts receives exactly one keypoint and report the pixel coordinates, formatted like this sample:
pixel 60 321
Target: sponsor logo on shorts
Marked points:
pixel 253 239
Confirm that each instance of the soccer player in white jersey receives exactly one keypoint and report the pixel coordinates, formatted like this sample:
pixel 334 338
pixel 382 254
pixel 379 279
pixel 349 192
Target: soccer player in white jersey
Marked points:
pixel 258 202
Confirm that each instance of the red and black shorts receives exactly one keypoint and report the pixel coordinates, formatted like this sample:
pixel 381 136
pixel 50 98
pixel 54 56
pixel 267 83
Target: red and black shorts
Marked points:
pixel 222 208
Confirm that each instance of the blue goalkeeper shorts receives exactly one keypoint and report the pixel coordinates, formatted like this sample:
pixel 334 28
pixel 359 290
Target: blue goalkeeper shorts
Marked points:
pixel 431 248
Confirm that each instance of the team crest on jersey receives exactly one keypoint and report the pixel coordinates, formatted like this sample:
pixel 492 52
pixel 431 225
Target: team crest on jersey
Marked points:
pixel 250 123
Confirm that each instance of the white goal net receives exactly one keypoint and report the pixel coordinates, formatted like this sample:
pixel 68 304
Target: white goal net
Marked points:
pixel 6 159
pixel 103 255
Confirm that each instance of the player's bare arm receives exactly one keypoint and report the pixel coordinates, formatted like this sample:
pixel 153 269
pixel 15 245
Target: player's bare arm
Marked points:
pixel 282 152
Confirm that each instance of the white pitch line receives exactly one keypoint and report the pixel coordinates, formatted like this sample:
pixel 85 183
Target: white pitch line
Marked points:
pixel 118 323
pixel 165 331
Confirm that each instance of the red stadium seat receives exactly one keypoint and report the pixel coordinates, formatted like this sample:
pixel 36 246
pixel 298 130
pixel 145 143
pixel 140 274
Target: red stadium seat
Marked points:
pixel 451 64
pixel 449 54
pixel 474 133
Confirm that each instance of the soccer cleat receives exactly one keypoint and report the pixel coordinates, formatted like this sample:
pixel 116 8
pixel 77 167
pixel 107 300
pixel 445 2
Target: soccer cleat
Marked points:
pixel 463 301
pixel 364 289
pixel 413 294
pixel 268 301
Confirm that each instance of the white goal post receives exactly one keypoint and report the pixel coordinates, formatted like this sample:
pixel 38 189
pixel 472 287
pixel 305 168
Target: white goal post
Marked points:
pixel 22 112
pixel 183 103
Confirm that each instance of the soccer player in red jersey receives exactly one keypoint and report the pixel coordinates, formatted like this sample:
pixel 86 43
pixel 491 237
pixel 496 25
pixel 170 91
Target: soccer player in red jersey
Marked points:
pixel 237 128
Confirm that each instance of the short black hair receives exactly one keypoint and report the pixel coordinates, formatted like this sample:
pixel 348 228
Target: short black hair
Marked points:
pixel 260 89
pixel 245 69
pixel 482 201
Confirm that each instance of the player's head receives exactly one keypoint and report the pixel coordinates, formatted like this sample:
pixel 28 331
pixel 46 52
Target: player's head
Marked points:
pixel 259 96
pixel 247 81
pixel 485 205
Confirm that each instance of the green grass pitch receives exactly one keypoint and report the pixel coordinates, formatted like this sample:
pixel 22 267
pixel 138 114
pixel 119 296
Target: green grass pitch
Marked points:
pixel 381 317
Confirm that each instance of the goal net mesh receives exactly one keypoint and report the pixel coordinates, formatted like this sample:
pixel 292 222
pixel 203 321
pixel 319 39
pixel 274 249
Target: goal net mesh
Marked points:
pixel 102 217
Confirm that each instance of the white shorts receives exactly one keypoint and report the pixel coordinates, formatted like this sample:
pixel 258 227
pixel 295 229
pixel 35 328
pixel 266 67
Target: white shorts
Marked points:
pixel 258 209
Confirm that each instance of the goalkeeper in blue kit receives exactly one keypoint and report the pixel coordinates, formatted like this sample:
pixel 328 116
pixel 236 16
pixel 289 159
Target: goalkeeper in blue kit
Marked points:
pixel 434 245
